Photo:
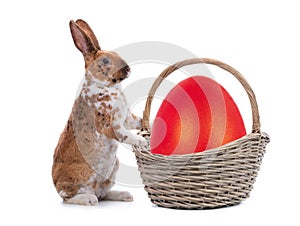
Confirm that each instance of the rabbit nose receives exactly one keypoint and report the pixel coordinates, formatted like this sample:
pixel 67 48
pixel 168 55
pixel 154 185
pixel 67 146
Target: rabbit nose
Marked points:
pixel 127 69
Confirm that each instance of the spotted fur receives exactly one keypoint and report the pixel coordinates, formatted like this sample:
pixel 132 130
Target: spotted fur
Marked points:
pixel 85 162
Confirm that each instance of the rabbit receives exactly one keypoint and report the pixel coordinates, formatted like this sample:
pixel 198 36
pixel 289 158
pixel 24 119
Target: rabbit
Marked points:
pixel 84 162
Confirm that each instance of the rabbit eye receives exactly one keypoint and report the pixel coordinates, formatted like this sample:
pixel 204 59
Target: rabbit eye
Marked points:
pixel 105 61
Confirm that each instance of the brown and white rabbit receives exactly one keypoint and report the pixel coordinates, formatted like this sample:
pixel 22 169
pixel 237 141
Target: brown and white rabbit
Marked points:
pixel 85 162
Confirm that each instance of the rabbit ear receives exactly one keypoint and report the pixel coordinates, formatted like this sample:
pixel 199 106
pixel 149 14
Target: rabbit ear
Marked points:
pixel 81 39
pixel 84 25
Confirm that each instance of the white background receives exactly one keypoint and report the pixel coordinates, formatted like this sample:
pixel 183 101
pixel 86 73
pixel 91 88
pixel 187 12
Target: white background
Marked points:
pixel 41 69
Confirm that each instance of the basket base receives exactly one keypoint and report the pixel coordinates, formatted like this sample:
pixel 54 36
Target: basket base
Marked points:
pixel 193 202
pixel 178 207
pixel 193 206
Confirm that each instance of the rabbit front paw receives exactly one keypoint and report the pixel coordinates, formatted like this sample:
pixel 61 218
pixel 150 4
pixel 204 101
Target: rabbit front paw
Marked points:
pixel 138 140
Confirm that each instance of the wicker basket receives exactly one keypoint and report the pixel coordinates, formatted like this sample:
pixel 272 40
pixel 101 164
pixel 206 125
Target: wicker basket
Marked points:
pixel 214 178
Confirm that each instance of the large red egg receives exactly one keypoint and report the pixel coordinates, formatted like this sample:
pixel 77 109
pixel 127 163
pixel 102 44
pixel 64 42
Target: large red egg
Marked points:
pixel 197 114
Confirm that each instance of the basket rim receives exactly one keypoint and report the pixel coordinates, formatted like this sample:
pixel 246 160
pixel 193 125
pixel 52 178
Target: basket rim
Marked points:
pixel 208 152
pixel 145 130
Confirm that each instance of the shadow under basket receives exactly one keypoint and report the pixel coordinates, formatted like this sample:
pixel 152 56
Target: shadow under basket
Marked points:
pixel 218 177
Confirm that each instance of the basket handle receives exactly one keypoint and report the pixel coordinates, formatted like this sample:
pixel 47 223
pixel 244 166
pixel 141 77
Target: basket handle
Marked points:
pixel 145 131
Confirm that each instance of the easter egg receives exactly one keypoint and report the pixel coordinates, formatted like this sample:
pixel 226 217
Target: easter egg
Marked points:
pixel 196 115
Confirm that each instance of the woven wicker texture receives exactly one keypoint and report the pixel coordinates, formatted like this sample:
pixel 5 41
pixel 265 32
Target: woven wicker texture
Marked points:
pixel 214 178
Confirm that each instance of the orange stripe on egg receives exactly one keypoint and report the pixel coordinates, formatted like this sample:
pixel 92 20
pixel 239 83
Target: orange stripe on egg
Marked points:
pixel 197 118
